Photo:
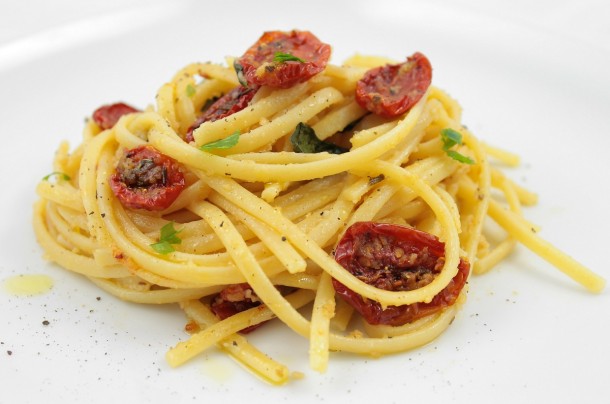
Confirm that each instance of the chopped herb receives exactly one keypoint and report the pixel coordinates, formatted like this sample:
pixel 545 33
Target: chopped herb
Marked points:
pixel 225 143
pixel 59 174
pixel 190 90
pixel 239 69
pixel 167 237
pixel 304 140
pixel 459 157
pixel 281 57
pixel 451 138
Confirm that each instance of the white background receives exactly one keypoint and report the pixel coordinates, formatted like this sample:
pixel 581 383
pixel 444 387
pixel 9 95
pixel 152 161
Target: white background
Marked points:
pixel 532 77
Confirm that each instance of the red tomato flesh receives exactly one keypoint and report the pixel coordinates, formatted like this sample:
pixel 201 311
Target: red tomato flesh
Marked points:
pixel 395 258
pixel 259 68
pixel 234 299
pixel 230 103
pixel 392 90
pixel 147 179
pixel 107 116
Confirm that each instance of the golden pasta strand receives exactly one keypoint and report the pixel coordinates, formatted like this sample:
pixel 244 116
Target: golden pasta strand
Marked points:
pixel 562 261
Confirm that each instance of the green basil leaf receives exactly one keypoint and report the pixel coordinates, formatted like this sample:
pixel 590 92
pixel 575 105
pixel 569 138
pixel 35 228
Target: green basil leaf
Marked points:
pixel 163 247
pixel 450 138
pixel 167 237
pixel 459 157
pixel 225 143
pixel 281 57
pixel 304 140
pixel 239 69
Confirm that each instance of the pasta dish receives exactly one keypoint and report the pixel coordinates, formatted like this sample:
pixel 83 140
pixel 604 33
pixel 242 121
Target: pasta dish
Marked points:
pixel 347 201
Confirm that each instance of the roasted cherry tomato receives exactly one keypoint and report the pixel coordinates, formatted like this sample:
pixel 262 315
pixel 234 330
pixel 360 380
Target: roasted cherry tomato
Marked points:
pixel 396 258
pixel 147 179
pixel 230 103
pixel 282 59
pixel 234 299
pixel 108 115
pixel 392 90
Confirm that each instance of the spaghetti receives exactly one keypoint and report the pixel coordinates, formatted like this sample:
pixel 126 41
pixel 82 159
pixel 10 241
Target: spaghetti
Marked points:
pixel 232 196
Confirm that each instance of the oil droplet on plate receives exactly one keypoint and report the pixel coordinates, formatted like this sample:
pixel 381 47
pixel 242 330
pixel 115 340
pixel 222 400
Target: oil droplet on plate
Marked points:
pixel 28 285
pixel 217 368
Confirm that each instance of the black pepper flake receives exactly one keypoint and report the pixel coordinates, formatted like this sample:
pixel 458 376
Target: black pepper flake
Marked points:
pixel 222 223
pixel 103 215
pixel 377 179
pixel 283 238
pixel 98 298
pixel 9 352
pixel 45 322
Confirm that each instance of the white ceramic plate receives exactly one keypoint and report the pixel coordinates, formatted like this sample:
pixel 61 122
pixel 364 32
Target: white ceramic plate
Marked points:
pixel 527 333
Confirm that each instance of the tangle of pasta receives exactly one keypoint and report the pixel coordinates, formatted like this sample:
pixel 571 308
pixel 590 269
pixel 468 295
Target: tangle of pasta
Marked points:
pixel 257 213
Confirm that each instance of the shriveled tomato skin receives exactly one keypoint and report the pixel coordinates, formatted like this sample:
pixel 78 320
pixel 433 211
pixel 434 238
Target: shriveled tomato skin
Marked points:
pixel 107 116
pixel 234 299
pixel 259 68
pixel 230 103
pixel 356 250
pixel 393 89
pixel 147 179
